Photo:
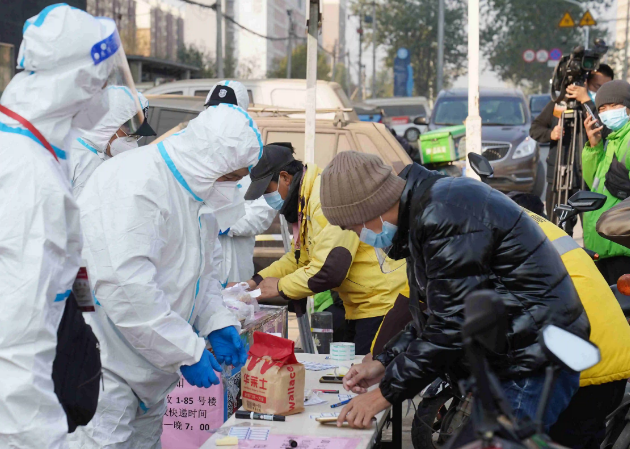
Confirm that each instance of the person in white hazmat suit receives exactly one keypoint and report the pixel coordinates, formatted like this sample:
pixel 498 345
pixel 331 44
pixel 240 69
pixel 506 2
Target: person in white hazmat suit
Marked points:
pixel 151 248
pixel 238 240
pixel 110 136
pixel 68 57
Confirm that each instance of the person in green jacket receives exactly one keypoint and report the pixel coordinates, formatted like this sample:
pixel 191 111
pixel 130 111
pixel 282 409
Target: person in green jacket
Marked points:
pixel 605 166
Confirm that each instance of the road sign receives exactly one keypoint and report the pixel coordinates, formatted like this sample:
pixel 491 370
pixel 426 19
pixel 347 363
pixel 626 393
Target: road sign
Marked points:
pixel 555 54
pixel 542 55
pixel 403 73
pixel 587 20
pixel 529 55
pixel 566 21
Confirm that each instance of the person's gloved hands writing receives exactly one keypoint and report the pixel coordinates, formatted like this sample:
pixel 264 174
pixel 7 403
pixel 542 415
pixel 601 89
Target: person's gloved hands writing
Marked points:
pixel 228 346
pixel 202 373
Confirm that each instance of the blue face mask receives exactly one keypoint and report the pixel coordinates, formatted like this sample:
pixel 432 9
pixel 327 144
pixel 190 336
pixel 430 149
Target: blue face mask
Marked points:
pixel 614 119
pixel 274 200
pixel 381 240
pixel 592 95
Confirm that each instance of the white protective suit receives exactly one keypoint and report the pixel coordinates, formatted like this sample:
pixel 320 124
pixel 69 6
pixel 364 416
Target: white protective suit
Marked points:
pixel 40 236
pixel 89 151
pixel 238 244
pixel 152 260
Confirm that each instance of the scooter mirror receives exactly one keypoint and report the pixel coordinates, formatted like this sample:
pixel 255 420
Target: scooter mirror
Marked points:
pixel 569 350
pixel 480 165
pixel 584 201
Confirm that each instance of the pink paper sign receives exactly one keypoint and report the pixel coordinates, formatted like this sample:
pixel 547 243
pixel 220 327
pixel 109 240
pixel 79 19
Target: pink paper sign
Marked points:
pixel 190 413
pixel 305 442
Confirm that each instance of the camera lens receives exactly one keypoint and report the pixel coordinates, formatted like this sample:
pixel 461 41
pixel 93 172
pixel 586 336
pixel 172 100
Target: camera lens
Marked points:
pixel 589 63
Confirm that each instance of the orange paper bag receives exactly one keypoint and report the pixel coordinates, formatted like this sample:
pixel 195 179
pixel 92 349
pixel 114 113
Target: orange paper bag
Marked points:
pixel 272 380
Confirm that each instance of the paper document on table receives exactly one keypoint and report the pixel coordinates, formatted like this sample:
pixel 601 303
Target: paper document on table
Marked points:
pixel 310 442
pixel 345 397
pixel 323 415
pixel 312 366
pixel 314 399
pixel 250 433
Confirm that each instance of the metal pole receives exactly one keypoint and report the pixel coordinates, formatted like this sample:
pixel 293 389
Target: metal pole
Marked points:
pixel 360 84
pixel 290 44
pixel 625 47
pixel 587 31
pixel 374 49
pixel 347 74
pixel 311 81
pixel 334 61
pixel 473 122
pixel 219 40
pixel 440 55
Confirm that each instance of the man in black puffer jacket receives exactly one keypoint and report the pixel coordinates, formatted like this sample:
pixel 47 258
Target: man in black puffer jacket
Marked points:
pixel 458 236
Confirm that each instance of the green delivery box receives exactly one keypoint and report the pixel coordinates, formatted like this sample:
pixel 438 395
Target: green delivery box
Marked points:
pixel 442 145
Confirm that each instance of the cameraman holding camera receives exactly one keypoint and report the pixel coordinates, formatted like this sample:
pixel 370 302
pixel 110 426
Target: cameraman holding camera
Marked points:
pixel 605 167
pixel 546 128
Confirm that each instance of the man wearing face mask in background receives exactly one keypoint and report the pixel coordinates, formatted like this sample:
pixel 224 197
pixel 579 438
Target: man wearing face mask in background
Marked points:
pixel 605 164
pixel 323 256
pixel 458 236
pixel 238 238
pixel 67 56
pixel 108 138
pixel 546 129
pixel 152 254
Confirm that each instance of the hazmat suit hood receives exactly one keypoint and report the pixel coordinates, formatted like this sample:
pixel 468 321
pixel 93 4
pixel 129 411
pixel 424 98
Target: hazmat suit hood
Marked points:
pixel 122 107
pixel 60 78
pixel 222 139
pixel 218 95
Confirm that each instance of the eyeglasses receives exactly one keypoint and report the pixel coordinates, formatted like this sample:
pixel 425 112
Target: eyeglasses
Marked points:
pixel 129 137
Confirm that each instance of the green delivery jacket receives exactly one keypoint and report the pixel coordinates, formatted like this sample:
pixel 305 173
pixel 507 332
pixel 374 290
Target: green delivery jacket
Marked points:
pixel 595 164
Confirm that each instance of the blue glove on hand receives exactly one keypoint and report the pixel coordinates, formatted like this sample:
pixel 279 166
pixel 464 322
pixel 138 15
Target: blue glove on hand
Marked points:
pixel 202 373
pixel 224 232
pixel 228 347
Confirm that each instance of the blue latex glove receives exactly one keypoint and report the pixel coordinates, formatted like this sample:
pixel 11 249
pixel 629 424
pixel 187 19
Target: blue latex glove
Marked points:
pixel 202 373
pixel 228 347
pixel 224 232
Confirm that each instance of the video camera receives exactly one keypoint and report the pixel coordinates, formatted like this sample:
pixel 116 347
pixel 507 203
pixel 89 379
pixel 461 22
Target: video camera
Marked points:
pixel 575 67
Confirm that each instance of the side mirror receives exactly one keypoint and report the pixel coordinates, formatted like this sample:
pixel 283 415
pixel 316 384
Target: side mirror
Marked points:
pixel 420 121
pixel 480 165
pixel 584 201
pixel 568 350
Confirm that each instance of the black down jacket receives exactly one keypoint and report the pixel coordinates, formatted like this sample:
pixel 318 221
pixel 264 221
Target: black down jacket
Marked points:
pixel 460 235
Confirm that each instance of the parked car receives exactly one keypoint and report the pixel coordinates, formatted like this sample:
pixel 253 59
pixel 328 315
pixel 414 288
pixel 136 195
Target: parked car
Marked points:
pixel 400 113
pixel 284 93
pixel 169 113
pixel 537 103
pixel 505 124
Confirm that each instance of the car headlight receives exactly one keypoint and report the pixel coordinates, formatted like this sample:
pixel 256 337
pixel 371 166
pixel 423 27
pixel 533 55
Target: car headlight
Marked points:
pixel 412 134
pixel 526 148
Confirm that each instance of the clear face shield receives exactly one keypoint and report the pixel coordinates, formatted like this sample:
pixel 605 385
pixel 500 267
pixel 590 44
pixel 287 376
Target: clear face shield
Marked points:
pixel 387 264
pixel 110 51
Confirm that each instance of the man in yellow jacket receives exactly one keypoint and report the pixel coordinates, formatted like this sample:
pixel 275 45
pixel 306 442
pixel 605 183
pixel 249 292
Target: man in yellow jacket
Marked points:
pixel 583 423
pixel 323 257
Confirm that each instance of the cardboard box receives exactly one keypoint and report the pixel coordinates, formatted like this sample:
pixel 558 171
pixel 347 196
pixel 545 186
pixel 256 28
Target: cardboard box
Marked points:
pixel 272 380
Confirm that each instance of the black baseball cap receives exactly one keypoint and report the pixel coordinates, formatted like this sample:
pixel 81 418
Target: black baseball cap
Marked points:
pixel 274 158
pixel 222 94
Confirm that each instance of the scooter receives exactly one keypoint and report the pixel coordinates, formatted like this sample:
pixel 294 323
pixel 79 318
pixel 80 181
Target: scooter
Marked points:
pixel 492 423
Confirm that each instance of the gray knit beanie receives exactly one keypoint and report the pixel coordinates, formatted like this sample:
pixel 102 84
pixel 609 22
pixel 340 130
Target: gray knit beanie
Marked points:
pixel 357 187
pixel 613 92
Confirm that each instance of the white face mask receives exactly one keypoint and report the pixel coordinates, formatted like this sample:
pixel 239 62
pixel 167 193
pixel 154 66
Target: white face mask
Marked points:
pixel 226 205
pixel 121 144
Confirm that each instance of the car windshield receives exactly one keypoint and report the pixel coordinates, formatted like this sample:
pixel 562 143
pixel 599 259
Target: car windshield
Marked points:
pixel 501 111
pixel 538 103
pixel 409 110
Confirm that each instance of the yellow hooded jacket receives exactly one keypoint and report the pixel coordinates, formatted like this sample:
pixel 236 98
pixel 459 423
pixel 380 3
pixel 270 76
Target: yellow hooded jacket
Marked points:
pixel 333 259
pixel 609 329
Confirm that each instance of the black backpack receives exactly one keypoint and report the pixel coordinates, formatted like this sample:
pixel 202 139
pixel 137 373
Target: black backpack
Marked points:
pixel 77 367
